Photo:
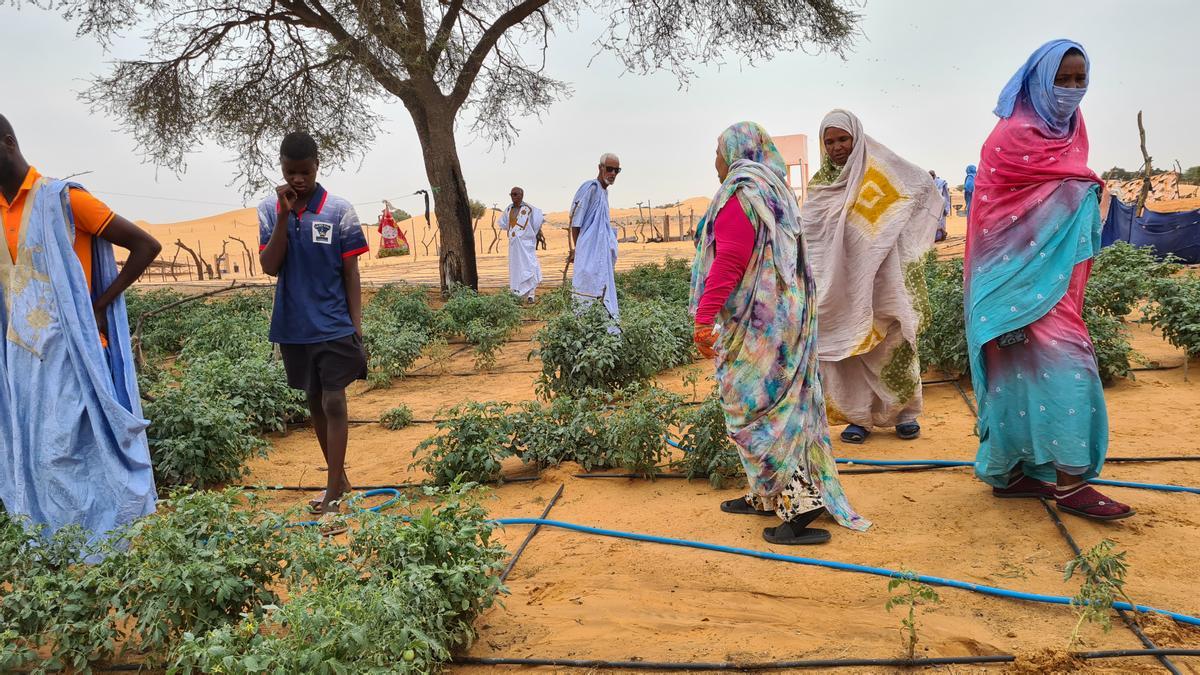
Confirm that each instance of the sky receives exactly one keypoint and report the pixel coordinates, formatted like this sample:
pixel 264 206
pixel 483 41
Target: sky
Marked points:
pixel 923 77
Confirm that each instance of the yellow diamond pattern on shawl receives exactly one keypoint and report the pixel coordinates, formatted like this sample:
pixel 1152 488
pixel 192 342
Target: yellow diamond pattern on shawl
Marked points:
pixel 875 197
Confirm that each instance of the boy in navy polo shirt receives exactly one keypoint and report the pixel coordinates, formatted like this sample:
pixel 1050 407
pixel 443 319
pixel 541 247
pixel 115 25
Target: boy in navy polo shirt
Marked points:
pixel 310 240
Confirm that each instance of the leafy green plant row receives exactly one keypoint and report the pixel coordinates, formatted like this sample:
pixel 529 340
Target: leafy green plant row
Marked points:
pixel 1124 279
pixel 212 584
pixel 596 429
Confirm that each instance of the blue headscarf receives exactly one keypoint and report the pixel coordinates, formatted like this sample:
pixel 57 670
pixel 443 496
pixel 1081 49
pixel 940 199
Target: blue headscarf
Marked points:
pixel 1035 81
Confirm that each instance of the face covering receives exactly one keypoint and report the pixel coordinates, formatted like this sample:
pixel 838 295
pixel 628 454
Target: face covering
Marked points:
pixel 1065 101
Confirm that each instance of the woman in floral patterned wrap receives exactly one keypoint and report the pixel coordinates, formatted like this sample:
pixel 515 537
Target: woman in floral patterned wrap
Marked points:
pixel 755 312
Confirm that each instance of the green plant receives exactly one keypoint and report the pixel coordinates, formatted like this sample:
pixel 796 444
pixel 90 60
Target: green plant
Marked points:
pixel 1123 275
pixel 474 438
pixel 708 450
pixel 255 385
pixel 587 350
pixel 397 418
pixel 670 282
pixel 199 440
pixel 485 321
pixel 913 593
pixel 233 334
pixel 1103 582
pixel 397 599
pixel 1176 312
pixel 568 428
pixel 397 325
pixel 1110 338
pixel 635 432
pixel 943 342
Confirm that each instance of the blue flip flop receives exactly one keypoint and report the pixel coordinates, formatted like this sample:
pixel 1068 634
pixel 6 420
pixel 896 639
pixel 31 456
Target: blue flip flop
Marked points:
pixel 908 431
pixel 855 434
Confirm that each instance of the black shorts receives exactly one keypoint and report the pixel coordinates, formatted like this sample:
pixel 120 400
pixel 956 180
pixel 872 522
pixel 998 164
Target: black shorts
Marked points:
pixel 325 366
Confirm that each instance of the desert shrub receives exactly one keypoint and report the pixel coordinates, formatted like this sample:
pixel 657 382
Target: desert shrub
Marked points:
pixel 708 450
pixel 943 343
pixel 582 350
pixel 396 418
pixel 197 439
pixel 255 385
pixel 1123 276
pixel 1176 312
pixel 485 321
pixel 553 302
pixel 474 438
pixel 670 282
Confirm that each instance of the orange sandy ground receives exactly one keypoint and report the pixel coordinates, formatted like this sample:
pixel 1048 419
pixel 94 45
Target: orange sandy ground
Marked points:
pixel 577 596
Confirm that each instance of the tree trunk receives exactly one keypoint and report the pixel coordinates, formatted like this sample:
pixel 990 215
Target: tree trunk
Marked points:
pixel 435 128
pixel 1148 169
pixel 195 256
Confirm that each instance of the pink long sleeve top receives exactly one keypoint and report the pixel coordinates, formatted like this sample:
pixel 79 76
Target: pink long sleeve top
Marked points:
pixel 734 235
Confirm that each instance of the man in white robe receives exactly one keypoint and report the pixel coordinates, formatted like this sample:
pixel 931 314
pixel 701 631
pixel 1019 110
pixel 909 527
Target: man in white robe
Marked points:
pixel 595 253
pixel 523 223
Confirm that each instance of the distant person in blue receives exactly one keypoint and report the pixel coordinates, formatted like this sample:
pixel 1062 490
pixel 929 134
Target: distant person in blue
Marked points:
pixel 310 240
pixel 944 189
pixel 969 187
pixel 73 447
pixel 595 252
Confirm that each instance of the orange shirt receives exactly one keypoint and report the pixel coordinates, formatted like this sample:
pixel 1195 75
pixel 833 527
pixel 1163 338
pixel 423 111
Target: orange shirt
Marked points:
pixel 91 217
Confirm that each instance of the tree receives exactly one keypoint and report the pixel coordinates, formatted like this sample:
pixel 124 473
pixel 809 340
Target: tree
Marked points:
pixel 1191 176
pixel 399 215
pixel 245 72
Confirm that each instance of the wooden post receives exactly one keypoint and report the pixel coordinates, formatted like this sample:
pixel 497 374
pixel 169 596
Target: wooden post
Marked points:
pixel 495 232
pixel 1148 169
pixel 249 255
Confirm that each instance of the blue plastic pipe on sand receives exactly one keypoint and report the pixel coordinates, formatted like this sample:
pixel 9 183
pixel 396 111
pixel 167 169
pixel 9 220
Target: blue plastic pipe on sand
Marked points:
pixel 832 564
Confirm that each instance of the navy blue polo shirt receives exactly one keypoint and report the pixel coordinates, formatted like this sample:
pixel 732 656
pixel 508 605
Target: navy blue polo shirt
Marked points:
pixel 310 296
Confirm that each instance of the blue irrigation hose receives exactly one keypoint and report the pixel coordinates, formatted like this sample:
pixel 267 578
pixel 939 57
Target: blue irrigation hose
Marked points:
pixel 952 463
pixel 832 564
pixel 394 493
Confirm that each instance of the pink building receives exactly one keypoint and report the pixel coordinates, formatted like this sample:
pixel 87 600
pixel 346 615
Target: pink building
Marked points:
pixel 794 149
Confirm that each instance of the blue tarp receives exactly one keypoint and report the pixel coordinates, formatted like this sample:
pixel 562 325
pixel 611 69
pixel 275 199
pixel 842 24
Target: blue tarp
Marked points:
pixel 1174 233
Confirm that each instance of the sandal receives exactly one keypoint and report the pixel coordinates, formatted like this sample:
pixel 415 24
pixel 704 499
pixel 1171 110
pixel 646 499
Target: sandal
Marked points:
pixel 1025 487
pixel 314 504
pixel 1087 502
pixel 742 507
pixel 788 534
pixel 332 524
pixel 908 431
pixel 855 434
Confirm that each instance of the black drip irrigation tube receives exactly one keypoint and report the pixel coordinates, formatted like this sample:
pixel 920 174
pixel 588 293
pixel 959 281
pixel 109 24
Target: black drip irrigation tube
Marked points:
pixel 966 399
pixel 600 664
pixel 1130 622
pixel 529 537
pixel 400 486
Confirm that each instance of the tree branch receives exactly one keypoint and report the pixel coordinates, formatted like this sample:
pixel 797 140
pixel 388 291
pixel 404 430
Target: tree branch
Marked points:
pixel 470 69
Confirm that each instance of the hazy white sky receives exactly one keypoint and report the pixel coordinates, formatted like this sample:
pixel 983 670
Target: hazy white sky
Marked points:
pixel 923 77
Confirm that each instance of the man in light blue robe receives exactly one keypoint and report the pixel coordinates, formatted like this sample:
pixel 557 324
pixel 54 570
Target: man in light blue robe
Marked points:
pixel 73 448
pixel 595 252
pixel 944 189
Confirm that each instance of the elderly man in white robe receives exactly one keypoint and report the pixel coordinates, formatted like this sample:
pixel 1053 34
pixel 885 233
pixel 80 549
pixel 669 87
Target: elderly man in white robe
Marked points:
pixel 595 253
pixel 523 223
